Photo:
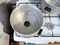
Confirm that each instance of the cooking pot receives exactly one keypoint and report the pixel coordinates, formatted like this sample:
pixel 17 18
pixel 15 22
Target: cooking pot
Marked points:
pixel 49 9
pixel 55 3
pixel 26 20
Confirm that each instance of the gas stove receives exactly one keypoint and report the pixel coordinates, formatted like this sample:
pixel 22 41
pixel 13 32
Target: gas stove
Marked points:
pixel 45 34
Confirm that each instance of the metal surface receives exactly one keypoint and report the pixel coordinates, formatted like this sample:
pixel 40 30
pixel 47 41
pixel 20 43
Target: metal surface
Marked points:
pixel 28 2
pixel 26 20
pixel 49 25
pixel 48 9
pixel 55 3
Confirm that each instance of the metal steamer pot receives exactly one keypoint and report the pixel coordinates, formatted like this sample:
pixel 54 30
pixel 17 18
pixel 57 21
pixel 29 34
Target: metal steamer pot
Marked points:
pixel 49 8
pixel 55 3
pixel 26 20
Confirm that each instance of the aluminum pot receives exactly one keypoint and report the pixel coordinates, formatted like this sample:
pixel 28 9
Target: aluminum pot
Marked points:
pixel 55 3
pixel 26 20
pixel 49 9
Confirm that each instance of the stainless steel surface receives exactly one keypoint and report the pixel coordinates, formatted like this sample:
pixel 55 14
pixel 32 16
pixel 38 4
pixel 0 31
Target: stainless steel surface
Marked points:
pixel 49 25
pixel 55 3
pixel 50 10
pixel 26 20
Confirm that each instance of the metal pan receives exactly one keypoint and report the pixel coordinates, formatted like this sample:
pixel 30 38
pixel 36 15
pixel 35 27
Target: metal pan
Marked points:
pixel 26 20
pixel 49 9
pixel 55 3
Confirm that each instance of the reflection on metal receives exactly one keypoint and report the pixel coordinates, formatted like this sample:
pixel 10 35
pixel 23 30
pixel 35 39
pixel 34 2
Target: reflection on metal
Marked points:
pixel 26 20
pixel 49 26
pixel 55 3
